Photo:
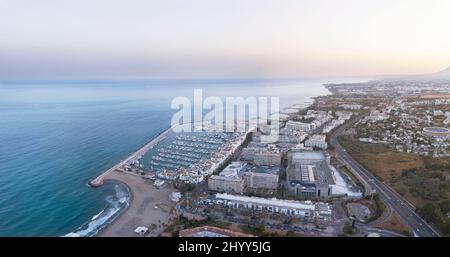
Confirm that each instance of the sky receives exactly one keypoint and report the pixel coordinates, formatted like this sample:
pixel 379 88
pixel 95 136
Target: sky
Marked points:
pixel 191 39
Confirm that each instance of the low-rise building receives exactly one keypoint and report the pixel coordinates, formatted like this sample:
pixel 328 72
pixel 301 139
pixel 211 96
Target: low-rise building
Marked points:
pixel 267 158
pixel 235 169
pixel 263 156
pixel 343 115
pixel 296 125
pixel 263 177
pixel 305 209
pixel 230 179
pixel 332 125
pixel 309 174
pixel 226 184
pixel 317 141
pixel 291 136
pixel 377 116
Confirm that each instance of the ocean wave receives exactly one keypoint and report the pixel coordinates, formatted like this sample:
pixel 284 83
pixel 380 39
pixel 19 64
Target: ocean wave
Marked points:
pixel 116 204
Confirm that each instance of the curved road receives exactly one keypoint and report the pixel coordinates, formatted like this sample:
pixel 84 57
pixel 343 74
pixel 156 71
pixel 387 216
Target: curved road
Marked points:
pixel 389 197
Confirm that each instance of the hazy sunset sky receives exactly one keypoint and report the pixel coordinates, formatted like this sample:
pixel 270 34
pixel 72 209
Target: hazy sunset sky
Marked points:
pixel 112 39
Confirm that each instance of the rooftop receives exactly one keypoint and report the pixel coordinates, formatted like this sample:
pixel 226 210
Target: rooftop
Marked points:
pixel 267 170
pixel 307 205
pixel 309 156
pixel 309 168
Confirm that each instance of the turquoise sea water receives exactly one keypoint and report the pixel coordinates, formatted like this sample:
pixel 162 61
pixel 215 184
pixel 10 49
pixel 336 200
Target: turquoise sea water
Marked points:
pixel 56 136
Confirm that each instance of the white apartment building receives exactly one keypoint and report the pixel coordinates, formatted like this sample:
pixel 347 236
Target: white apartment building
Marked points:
pixel 351 106
pixel 317 141
pixel 226 184
pixel 306 209
pixel 262 180
pixel 296 125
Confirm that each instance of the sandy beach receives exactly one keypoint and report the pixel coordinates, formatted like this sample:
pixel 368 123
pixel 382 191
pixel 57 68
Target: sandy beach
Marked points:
pixel 148 205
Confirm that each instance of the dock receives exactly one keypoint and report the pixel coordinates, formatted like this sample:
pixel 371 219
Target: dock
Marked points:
pixel 98 181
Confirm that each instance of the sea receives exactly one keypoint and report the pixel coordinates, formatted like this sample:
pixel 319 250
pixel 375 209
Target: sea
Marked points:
pixel 56 136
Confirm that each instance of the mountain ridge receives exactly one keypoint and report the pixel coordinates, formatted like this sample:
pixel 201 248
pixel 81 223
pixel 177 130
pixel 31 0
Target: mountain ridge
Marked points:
pixel 440 75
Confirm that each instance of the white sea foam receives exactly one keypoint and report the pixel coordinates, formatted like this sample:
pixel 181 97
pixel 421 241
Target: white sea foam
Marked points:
pixel 116 203
pixel 96 216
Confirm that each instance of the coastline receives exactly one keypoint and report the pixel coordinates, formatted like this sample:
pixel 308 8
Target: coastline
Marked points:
pixel 112 220
pixel 117 204
pixel 147 205
pixel 137 188
pixel 144 198
pixel 84 156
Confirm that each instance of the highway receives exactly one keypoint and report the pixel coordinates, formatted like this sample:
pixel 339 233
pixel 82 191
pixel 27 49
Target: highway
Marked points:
pixel 389 197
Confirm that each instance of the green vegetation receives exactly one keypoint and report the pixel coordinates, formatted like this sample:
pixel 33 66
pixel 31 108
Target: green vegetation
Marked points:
pixel 440 164
pixel 436 213
pixel 396 224
pixel 421 180
pixel 261 192
pixel 223 166
pixel 379 159
pixel 257 230
pixel 282 193
pixel 426 184
pixel 303 119
pixel 186 187
pixel 379 209
pixel 291 233
pixel 350 230
pixel 407 233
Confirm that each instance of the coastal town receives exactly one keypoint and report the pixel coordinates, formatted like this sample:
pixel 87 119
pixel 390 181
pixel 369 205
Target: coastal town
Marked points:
pixel 322 177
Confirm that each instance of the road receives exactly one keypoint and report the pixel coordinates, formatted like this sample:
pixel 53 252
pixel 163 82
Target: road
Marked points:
pixel 390 198
pixel 383 233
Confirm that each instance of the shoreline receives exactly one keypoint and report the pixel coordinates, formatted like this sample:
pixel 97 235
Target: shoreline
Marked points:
pixel 124 223
pixel 134 184
pixel 112 220
pixel 147 205
pixel 117 204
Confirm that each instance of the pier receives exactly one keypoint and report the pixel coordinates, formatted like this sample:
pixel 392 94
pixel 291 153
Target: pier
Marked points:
pixel 182 153
pixel 98 181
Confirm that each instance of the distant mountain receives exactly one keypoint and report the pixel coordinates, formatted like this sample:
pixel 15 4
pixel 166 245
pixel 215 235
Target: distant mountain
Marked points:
pixel 445 72
pixel 442 75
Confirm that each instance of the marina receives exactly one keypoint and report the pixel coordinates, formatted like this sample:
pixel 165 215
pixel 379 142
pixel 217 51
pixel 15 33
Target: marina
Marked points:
pixel 188 156
pixel 88 140
pixel 183 151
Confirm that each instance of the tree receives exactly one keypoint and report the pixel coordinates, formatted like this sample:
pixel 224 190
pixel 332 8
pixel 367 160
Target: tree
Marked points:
pixel 290 233
pixel 432 212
